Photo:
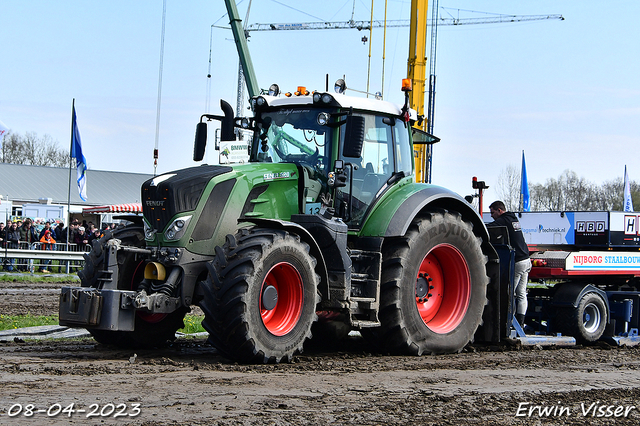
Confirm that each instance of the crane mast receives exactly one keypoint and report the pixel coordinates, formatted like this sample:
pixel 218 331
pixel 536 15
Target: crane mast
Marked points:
pixel 416 71
pixel 243 49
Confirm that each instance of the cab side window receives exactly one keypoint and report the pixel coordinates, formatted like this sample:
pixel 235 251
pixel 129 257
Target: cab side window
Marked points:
pixel 404 157
pixel 373 169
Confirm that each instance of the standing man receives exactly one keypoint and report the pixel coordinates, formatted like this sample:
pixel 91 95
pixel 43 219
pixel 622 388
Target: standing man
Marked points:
pixel 13 241
pixel 3 235
pixel 501 217
pixel 28 235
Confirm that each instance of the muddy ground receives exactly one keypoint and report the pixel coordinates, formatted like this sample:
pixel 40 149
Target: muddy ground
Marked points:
pixel 187 383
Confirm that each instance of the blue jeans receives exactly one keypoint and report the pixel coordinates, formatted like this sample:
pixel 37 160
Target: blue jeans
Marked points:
pixel 521 279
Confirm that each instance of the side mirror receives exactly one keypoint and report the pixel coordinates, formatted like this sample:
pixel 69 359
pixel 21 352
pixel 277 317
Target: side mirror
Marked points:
pixel 200 142
pixel 226 129
pixel 354 136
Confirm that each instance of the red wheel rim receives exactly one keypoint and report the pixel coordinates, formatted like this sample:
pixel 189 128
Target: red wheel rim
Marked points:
pixel 135 279
pixel 286 279
pixel 447 274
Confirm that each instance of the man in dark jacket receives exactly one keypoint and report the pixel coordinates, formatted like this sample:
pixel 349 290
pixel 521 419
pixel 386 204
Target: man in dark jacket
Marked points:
pixel 13 239
pixel 60 233
pixel 501 217
pixel 3 235
pixel 28 233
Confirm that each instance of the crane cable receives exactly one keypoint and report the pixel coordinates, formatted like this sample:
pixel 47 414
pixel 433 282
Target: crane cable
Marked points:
pixel 155 151
pixel 384 47
pixel 207 103
pixel 370 37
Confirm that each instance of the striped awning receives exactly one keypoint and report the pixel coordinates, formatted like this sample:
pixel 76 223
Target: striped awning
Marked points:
pixel 115 208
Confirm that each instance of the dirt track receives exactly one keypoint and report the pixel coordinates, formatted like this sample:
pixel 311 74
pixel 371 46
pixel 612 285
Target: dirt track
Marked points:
pixel 188 383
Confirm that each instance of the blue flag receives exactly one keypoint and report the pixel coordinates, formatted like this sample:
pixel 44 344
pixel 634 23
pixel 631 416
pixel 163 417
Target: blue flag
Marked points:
pixel 628 202
pixel 524 187
pixel 81 162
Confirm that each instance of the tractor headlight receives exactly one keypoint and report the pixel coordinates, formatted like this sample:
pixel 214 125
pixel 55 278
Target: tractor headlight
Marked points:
pixel 176 229
pixel 274 90
pixel 340 86
pixel 323 118
pixel 149 232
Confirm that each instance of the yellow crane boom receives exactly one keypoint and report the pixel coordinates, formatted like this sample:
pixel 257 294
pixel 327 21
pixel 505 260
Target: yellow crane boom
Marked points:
pixel 416 71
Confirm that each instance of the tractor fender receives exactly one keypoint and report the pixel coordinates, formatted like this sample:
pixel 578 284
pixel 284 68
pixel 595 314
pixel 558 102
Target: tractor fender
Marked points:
pixel 307 238
pixel 570 294
pixel 429 198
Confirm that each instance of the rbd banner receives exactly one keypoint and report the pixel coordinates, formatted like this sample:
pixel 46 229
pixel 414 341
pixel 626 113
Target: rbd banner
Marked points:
pixel 234 152
pixel 603 261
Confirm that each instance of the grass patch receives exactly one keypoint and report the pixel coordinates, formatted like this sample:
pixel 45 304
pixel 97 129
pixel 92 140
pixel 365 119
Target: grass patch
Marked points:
pixel 38 278
pixel 10 322
pixel 192 324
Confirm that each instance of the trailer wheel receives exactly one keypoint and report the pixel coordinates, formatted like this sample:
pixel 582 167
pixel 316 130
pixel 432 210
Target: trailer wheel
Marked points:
pixel 260 296
pixel 434 286
pixel 586 322
pixel 151 330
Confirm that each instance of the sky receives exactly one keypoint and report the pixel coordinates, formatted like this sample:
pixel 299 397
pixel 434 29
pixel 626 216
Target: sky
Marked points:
pixel 566 92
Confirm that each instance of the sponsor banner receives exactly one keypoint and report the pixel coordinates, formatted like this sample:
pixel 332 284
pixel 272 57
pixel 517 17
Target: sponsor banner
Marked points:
pixel 234 152
pixel 625 229
pixel 547 228
pixel 603 261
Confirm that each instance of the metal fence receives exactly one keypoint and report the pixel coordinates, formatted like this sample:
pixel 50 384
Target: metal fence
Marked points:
pixel 34 257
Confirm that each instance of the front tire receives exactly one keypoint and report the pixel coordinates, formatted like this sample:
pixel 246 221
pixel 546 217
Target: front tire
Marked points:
pixel 261 295
pixel 434 286
pixel 151 330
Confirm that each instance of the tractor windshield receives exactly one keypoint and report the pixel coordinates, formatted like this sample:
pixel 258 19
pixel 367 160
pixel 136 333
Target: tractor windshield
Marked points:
pixel 293 135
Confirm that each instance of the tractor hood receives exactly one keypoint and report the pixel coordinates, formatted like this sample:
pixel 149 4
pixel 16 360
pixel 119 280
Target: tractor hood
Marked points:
pixel 175 192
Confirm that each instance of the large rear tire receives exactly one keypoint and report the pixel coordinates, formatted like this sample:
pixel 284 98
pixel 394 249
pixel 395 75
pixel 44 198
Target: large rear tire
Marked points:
pixel 434 285
pixel 260 297
pixel 586 322
pixel 151 330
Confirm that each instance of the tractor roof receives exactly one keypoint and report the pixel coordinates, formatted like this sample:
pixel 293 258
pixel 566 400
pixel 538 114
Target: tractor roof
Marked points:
pixel 357 103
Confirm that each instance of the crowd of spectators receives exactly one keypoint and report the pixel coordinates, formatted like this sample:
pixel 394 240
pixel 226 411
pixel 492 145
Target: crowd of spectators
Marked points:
pixel 41 235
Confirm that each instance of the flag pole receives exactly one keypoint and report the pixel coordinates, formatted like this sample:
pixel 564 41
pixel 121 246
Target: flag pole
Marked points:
pixel 73 107
pixel 521 201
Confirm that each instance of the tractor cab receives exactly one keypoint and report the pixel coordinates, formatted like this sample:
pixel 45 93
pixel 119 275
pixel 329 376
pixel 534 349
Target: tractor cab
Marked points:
pixel 348 150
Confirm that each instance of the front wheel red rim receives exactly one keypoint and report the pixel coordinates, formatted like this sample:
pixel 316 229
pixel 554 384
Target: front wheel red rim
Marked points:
pixel 443 288
pixel 286 280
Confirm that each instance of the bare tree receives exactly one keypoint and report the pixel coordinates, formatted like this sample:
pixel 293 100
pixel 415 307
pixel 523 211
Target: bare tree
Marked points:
pixel 579 194
pixel 612 194
pixel 547 196
pixel 570 192
pixel 508 188
pixel 31 150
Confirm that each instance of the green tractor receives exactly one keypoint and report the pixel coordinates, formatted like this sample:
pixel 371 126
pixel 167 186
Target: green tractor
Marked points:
pixel 323 224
